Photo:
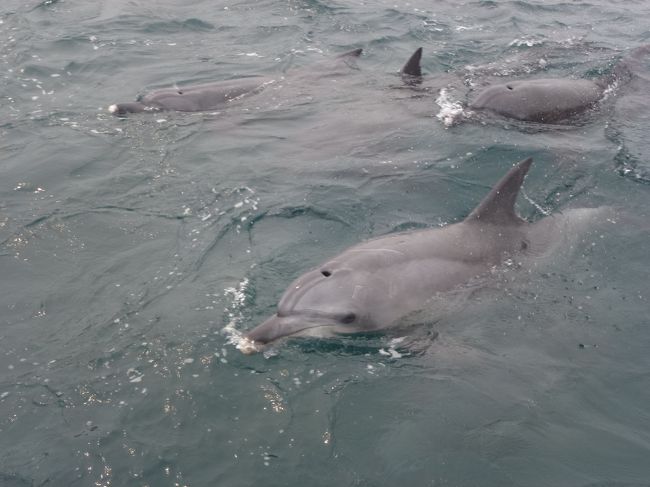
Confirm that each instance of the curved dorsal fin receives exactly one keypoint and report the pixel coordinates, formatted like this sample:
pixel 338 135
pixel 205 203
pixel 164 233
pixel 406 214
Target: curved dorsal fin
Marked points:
pixel 498 207
pixel 412 66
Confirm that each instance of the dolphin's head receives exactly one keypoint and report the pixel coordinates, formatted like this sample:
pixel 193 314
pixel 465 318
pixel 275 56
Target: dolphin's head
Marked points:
pixel 324 302
pixel 514 100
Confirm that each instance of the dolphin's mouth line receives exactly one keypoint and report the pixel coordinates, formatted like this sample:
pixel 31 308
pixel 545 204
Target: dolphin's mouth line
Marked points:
pixel 308 328
pixel 297 330
pixel 283 326
pixel 250 345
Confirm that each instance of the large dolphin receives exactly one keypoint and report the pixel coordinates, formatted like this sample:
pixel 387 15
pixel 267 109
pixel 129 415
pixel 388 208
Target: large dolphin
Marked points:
pixel 544 100
pixel 203 97
pixel 377 284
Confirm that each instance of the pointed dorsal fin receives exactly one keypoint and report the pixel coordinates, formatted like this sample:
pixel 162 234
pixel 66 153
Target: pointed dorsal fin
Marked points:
pixel 412 66
pixel 498 207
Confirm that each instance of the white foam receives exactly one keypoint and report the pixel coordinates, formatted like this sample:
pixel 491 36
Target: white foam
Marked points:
pixel 526 41
pixel 391 352
pixel 450 110
pixel 112 108
pixel 461 28
pixel 539 207
pixel 235 337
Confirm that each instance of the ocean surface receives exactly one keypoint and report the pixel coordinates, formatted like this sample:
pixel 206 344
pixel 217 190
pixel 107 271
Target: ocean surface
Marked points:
pixel 135 251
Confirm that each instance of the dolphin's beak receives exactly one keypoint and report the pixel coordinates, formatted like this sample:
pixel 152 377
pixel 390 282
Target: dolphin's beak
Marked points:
pixel 277 327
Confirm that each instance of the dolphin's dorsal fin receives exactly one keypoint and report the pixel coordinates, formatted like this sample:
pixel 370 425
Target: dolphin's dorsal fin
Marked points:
pixel 412 66
pixel 498 207
pixel 353 53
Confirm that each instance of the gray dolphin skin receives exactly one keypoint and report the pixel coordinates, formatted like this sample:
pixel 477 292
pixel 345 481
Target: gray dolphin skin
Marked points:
pixel 411 71
pixel 203 97
pixel 196 98
pixel 374 285
pixel 540 100
pixel 545 100
pixel 537 100
pixel 551 100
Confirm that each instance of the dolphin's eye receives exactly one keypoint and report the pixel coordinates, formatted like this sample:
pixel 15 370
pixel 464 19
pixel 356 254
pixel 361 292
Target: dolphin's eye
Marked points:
pixel 348 318
pixel 326 273
pixel 509 87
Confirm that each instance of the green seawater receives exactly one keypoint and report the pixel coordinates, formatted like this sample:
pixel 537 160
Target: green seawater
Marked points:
pixel 133 251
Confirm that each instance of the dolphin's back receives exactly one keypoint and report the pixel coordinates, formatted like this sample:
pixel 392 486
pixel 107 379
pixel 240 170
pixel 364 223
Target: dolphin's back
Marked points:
pixel 539 100
pixel 211 96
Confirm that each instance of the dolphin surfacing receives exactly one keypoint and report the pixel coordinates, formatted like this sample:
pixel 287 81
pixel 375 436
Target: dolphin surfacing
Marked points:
pixel 195 98
pixel 203 97
pixel 539 100
pixel 550 100
pixel 543 100
pixel 374 285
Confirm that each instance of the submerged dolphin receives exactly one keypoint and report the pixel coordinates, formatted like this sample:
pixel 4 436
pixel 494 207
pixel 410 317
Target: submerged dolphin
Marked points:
pixel 204 97
pixel 545 100
pixel 374 285
pixel 196 98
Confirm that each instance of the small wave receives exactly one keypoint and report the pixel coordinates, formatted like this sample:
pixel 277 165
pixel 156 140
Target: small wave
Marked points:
pixel 526 41
pixel 537 206
pixel 249 54
pixel 628 166
pixel 461 28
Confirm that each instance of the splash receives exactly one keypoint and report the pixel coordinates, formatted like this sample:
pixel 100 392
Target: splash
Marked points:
pixel 610 89
pixel 237 297
pixel 450 110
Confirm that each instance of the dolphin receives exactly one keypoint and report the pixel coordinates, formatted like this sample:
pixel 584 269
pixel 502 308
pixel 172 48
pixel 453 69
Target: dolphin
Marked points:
pixel 203 97
pixel 376 285
pixel 550 100
pixel 196 98
pixel 543 100
pixel 547 100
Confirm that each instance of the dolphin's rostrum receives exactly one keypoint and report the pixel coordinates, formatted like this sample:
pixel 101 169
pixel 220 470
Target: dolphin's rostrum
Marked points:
pixel 374 285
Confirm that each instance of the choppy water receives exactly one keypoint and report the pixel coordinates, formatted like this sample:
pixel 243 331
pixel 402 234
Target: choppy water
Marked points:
pixel 133 251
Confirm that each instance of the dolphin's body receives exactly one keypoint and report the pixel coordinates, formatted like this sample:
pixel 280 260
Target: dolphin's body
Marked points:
pixel 204 97
pixel 377 284
pixel 196 98
pixel 550 100
pixel 545 100
pixel 540 100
